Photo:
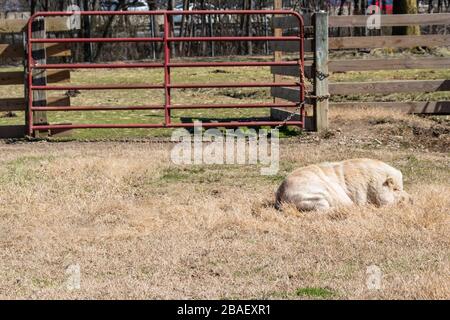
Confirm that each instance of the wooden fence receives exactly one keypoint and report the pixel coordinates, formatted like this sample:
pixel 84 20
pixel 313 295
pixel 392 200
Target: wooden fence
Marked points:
pixel 317 67
pixel 14 24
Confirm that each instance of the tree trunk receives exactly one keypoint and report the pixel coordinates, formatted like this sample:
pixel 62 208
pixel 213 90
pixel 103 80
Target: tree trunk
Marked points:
pixel 204 27
pixel 170 7
pixel 152 6
pixel 406 7
pixel 183 27
pixel 248 28
pixel 86 32
pixel 341 8
pixel 122 5
pixel 242 24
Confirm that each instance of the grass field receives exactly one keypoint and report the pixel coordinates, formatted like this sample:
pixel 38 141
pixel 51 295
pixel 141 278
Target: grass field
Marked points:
pixel 139 226
pixel 197 96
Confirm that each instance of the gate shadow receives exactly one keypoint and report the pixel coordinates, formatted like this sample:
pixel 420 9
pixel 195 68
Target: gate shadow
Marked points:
pixel 217 120
pixel 285 131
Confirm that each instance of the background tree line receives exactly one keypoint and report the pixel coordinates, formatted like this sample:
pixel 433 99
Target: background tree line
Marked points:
pixel 218 25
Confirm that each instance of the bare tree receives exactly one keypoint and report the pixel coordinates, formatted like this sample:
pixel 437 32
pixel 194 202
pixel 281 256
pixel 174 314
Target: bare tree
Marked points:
pixel 122 5
pixel 405 7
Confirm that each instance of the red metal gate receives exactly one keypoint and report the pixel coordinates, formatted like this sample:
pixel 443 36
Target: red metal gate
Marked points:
pixel 167 86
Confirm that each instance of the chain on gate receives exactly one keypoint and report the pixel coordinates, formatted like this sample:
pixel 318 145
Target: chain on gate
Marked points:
pixel 321 76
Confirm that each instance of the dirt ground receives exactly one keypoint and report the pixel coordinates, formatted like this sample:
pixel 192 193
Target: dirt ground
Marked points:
pixel 138 226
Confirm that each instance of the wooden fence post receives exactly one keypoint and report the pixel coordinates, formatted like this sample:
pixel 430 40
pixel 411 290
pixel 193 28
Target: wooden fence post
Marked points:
pixel 25 77
pixel 39 76
pixel 278 32
pixel 321 66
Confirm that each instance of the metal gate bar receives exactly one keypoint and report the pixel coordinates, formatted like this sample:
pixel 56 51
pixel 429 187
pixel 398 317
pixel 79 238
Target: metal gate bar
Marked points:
pixel 161 65
pixel 161 107
pixel 168 86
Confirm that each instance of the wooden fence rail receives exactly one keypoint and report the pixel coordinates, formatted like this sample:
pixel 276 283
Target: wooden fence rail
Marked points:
pixel 399 42
pixel 15 52
pixel 19 104
pixel 368 65
pixel 16 22
pixel 361 21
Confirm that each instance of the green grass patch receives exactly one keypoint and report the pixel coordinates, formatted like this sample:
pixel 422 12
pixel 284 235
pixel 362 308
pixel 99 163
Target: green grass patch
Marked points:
pixel 417 169
pixel 42 283
pixel 197 174
pixel 23 170
pixel 314 292
pixel 206 174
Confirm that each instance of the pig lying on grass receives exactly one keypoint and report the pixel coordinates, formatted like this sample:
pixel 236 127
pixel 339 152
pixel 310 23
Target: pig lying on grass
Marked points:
pixel 338 184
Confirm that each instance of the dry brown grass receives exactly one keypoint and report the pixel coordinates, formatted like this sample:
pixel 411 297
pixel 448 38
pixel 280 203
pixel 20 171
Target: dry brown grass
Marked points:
pixel 140 227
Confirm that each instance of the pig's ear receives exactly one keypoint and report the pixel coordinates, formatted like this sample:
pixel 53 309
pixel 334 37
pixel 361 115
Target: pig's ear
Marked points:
pixel 389 183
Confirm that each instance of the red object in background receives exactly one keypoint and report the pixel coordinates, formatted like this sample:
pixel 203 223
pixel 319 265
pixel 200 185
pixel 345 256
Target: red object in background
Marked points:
pixel 387 6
